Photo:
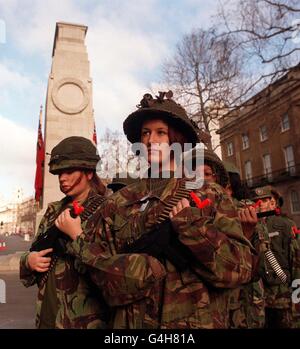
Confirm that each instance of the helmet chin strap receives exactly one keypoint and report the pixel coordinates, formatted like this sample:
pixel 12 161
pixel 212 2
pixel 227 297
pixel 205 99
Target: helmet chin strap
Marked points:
pixel 78 180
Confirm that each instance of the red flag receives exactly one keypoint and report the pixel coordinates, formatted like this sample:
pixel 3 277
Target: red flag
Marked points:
pixel 40 158
pixel 95 134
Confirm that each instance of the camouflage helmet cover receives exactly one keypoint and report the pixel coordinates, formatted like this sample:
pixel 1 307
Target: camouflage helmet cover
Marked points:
pixel 73 152
pixel 161 107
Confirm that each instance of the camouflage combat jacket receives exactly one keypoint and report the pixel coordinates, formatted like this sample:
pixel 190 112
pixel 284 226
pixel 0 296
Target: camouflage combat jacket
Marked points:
pixel 279 296
pixel 247 303
pixel 78 302
pixel 147 293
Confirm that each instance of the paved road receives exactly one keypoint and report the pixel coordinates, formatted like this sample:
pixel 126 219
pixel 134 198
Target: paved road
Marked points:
pixel 14 243
pixel 19 310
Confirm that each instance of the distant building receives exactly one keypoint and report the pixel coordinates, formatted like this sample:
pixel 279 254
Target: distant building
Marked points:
pixel 8 218
pixel 26 216
pixel 18 216
pixel 263 140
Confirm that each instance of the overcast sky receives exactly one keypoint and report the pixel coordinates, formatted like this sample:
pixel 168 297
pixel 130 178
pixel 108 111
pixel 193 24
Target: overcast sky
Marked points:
pixel 127 42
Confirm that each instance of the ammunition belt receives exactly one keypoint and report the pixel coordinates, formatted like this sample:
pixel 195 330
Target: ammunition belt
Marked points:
pixel 181 193
pixel 88 211
pixel 276 266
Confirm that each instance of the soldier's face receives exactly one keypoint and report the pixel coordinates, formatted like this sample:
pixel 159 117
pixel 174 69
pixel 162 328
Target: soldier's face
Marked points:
pixel 273 204
pixel 73 182
pixel 206 172
pixel 265 205
pixel 155 136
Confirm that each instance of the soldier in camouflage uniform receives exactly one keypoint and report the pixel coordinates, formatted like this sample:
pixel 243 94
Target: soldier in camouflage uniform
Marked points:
pixel 243 307
pixel 276 233
pixel 171 281
pixel 67 297
pixel 213 171
pixel 247 305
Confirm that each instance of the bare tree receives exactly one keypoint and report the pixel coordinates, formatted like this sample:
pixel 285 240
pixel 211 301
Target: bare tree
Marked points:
pixel 116 155
pixel 205 76
pixel 268 32
pixel 252 44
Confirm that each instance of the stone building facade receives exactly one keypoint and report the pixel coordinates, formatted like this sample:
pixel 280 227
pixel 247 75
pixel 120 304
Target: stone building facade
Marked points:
pixel 18 217
pixel 263 140
pixel 26 216
pixel 8 219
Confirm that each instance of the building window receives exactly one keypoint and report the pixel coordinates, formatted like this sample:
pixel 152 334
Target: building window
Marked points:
pixel 245 140
pixel 267 166
pixel 229 149
pixel 295 201
pixel 289 160
pixel 285 123
pixel 263 133
pixel 248 172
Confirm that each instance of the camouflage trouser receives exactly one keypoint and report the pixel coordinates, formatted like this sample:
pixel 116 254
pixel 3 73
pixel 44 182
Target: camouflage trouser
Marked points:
pixel 279 318
pixel 236 309
pixel 237 318
pixel 247 307
pixel 256 305
pixel 296 315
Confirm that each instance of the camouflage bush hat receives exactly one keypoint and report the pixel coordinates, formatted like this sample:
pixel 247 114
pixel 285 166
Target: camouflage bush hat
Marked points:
pixel 73 152
pixel 267 192
pixel 121 180
pixel 162 107
pixel 211 159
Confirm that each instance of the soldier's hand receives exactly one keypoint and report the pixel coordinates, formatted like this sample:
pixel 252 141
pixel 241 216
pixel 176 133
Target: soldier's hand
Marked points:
pixel 38 262
pixel 248 218
pixel 183 203
pixel 68 225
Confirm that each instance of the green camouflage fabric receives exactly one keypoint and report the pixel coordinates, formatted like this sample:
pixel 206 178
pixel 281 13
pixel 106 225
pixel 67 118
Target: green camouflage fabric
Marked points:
pixel 247 306
pixel 73 152
pixel 253 300
pixel 79 302
pixel 247 303
pixel 279 297
pixel 295 253
pixel 253 294
pixel 147 293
